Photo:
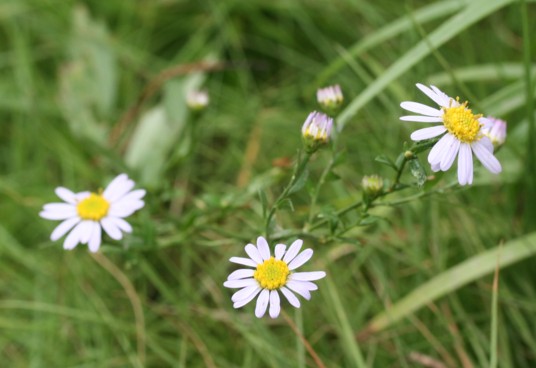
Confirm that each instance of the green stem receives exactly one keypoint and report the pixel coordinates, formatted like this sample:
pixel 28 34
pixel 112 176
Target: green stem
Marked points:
pixel 321 182
pixel 299 169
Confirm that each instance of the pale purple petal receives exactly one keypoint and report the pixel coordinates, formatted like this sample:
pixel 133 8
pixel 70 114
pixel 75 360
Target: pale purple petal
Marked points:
pixel 111 228
pixel 290 297
pixel 421 119
pixel 486 157
pixel 264 249
pixel 253 253
pixel 235 284
pixel 434 96
pixel 465 164
pixel 297 288
pixel 435 167
pixel 293 251
pixel 95 239
pixel 135 195
pixel 65 194
pixel 279 251
pixel 243 261
pixel 63 228
pixel 275 306
pixel 241 274
pixel 427 133
pixel 262 303
pixel 420 108
pixel 300 259
pixel 307 276
pixel 450 154
pixel 246 293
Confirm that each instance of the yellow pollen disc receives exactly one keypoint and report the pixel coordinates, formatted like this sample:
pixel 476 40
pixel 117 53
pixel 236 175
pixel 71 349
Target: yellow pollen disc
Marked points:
pixel 94 207
pixel 462 123
pixel 272 274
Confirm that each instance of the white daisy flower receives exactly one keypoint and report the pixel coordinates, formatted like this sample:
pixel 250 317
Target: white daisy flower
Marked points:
pixel 464 134
pixel 270 274
pixel 86 213
pixel 197 100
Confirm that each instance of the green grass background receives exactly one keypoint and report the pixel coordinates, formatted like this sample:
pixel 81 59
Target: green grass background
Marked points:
pixel 70 70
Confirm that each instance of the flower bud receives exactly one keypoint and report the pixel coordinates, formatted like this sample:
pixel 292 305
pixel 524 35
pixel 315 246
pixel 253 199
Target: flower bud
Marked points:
pixel 495 130
pixel 197 100
pixel 330 97
pixel 372 185
pixel 316 131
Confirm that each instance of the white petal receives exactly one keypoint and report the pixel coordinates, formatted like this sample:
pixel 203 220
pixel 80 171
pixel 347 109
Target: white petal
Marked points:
pixel 62 228
pixel 86 228
pixel 82 195
pixel 435 167
pixel 438 150
pixel 421 108
pixel 297 288
pixel 465 164
pixel 73 238
pixel 307 285
pixel 279 251
pixel 65 194
pixel 293 250
pixel 264 249
pixel 438 99
pixel 135 195
pixel 450 153
pixel 58 211
pixel 446 100
pixel 253 253
pixel 247 299
pixel 243 261
pixel 308 276
pixel 244 293
pixel 235 284
pixel 118 187
pixel 486 142
pixel 262 303
pixel 95 240
pixel 111 228
pixel 241 274
pixel 300 259
pixel 121 224
pixel 421 119
pixel 489 161
pixel 275 305
pixel 290 297
pixel 427 133
pixel 125 209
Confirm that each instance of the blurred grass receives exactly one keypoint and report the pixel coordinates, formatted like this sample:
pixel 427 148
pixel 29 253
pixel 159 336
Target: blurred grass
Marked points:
pixel 70 70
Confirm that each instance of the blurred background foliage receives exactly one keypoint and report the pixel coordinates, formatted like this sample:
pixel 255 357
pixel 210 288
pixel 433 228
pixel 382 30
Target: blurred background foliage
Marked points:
pixel 90 89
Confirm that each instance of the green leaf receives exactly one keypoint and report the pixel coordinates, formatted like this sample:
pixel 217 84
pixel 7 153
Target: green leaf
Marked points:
pixel 417 171
pixel 383 159
pixel 300 182
pixel 454 278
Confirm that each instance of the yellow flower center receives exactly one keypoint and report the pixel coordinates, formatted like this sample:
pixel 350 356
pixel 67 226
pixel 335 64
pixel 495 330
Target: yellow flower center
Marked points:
pixel 272 274
pixel 94 207
pixel 462 123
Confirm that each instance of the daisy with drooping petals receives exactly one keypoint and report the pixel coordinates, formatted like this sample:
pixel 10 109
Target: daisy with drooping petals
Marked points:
pixel 86 213
pixel 270 274
pixel 462 131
